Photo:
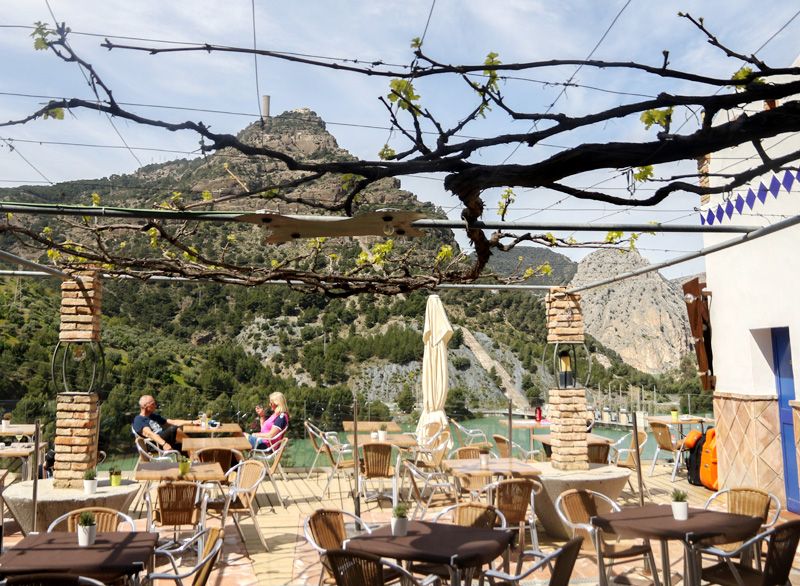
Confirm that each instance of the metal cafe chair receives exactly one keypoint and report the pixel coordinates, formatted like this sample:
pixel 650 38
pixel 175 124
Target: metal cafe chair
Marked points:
pixel 562 561
pixel 424 485
pixel 514 498
pixel 240 498
pixel 315 434
pixel 49 579
pixel 576 507
pixel 272 464
pixel 326 530
pixel 506 448
pixel 665 441
pixel 201 571
pixel 341 459
pixel 350 568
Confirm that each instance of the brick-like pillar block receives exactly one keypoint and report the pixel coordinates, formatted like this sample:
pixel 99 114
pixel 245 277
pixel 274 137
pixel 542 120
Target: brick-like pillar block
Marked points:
pixel 77 426
pixel 564 317
pixel 80 308
pixel 568 429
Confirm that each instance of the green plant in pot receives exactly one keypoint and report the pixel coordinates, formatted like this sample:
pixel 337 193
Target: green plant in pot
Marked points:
pixel 184 465
pixel 400 519
pixel 6 421
pixel 382 432
pixel 115 476
pixel 680 505
pixel 90 481
pixel 87 529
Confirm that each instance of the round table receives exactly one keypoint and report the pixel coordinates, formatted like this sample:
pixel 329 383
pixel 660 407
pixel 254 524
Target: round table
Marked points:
pixel 610 480
pixel 54 502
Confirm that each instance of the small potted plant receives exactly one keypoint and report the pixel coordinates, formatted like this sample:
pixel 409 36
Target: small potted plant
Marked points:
pixel 400 520
pixel 184 465
pixel 87 529
pixel 382 432
pixel 680 505
pixel 115 476
pixel 90 481
pixel 6 421
pixel 674 414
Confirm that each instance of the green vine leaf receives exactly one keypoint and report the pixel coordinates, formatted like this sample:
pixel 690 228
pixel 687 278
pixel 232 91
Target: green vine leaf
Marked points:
pixel 403 94
pixel 386 153
pixel 660 117
pixel 643 173
pixel 54 113
pixel 614 236
pixel 416 43
pixel 445 253
pixel 743 73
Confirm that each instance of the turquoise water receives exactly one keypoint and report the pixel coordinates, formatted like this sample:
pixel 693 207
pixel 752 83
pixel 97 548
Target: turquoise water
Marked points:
pixel 300 452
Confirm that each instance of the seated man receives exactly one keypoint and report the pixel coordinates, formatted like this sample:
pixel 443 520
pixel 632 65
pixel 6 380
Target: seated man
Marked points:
pixel 149 424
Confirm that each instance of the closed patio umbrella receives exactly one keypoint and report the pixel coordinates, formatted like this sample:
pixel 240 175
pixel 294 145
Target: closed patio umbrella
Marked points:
pixel 435 336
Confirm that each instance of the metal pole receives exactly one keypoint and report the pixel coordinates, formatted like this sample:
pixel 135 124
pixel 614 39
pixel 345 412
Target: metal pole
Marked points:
pixel 36 432
pixel 357 467
pixel 638 459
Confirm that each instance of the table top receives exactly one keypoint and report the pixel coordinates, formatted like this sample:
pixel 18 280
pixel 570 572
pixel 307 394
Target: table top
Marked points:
pixel 370 426
pixel 504 466
pixel 115 552
pixel 592 439
pixel 530 424
pixel 169 471
pixel 682 420
pixel 657 522
pixel 399 440
pixel 20 450
pixel 235 442
pixel 18 429
pixel 435 543
pixel 223 428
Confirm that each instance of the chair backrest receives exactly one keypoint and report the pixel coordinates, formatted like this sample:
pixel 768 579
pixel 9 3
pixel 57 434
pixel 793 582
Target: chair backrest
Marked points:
pixel 225 457
pixel 578 506
pixel 429 432
pixel 314 434
pixel 245 478
pixel 630 459
pixel 106 520
pixel 783 541
pixel 277 454
pixel 473 514
pixel 503 446
pixel 565 562
pixel 377 460
pixel 513 497
pixel 359 569
pixel 749 501
pixel 438 448
pixel 663 435
pixel 177 503
pixel 211 553
pixel 327 528
pixel 461 436
pixel 466 453
pixel 598 453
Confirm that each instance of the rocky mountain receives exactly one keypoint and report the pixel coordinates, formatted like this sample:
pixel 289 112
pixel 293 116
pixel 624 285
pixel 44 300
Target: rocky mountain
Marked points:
pixel 522 257
pixel 642 318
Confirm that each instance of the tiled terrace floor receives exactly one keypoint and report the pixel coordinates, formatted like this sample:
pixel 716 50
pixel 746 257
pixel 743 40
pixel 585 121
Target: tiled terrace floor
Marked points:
pixel 292 561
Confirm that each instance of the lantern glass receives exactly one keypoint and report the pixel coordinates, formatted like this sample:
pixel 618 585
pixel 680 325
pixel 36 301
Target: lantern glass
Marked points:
pixel 566 369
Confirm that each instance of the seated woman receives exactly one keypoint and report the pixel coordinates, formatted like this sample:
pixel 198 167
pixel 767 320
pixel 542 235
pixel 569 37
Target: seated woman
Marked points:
pixel 273 427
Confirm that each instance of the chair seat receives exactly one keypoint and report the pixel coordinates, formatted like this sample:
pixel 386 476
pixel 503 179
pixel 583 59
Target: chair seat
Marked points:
pixel 721 574
pixel 218 505
pixel 624 548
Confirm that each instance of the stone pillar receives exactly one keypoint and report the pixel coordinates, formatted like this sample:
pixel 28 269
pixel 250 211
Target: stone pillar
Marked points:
pixel 77 414
pixel 568 428
pixel 80 308
pixel 567 406
pixel 76 438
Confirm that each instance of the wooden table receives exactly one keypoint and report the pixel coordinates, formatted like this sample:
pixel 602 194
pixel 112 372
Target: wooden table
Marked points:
pixel 513 467
pixel 441 544
pixel 234 442
pixel 657 522
pixel 24 453
pixel 370 426
pixel 21 429
pixel 682 420
pixel 530 424
pixel 114 554
pixel 221 429
pixel 398 440
pixel 158 471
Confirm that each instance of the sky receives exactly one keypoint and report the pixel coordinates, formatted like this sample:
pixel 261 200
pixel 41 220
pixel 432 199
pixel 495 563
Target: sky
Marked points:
pixel 85 145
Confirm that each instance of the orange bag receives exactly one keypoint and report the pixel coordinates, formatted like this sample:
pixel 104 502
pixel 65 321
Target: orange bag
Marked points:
pixel 708 461
pixel 691 438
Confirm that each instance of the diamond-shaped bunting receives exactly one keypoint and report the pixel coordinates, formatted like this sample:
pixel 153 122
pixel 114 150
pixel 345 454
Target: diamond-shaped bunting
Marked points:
pixel 762 193
pixel 729 209
pixel 720 213
pixel 702 220
pixel 710 217
pixel 739 203
pixel 788 180
pixel 750 199
pixel 774 186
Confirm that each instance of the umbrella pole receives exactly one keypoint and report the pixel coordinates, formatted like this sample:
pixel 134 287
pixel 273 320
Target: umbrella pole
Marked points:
pixel 510 426
pixel 356 464
pixel 638 459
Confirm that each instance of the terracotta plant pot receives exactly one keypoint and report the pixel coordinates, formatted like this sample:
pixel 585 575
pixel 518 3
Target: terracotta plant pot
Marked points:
pixel 86 534
pixel 399 526
pixel 680 511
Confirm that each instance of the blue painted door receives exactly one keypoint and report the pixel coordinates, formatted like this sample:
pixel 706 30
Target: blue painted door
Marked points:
pixel 784 381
